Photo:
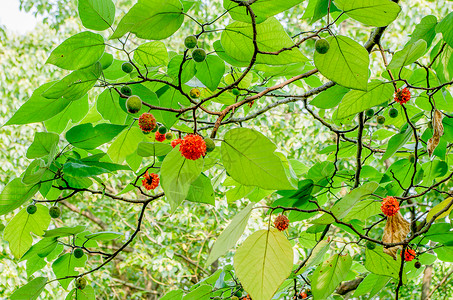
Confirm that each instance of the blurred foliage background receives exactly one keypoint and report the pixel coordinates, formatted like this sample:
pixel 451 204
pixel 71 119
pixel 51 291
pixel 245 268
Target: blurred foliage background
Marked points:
pixel 171 249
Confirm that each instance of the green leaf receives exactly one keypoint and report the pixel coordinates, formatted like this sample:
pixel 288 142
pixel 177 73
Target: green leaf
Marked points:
pixel 34 172
pixel 75 85
pixel 31 290
pixel 97 14
pixel 396 142
pixel 125 144
pixel 153 149
pixel 444 254
pixel 425 29
pixel 86 294
pixel 108 106
pixel 47 108
pixel 329 274
pixel 448 129
pixel 151 19
pixel 363 210
pixel 237 42
pixel 78 169
pixel 17 232
pixel 173 295
pixel 177 174
pixel 262 9
pixel 380 263
pixel 75 112
pixel 229 237
pixel 210 71
pixel 409 54
pixel 263 262
pixel 372 284
pixel 436 209
pixel 87 136
pixel 357 101
pixel 64 231
pixel 65 266
pixel 104 235
pixel 188 69
pixel 317 254
pixel 201 191
pixel 42 248
pixel 42 145
pixel 377 13
pixel 152 54
pixel 15 194
pixel 317 9
pixel 248 156
pixel 79 51
pixel 200 293
pixel 346 63
pixel 329 98
pixel 445 27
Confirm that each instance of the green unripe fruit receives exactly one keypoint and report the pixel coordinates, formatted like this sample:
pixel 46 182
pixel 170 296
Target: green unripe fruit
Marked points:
pixel 234 298
pixel 199 55
pixel 393 113
pixel 125 90
pixel 134 104
pixel 31 209
pixel 106 60
pixel 127 67
pixel 190 42
pixel 169 136
pixel 162 130
pixel 417 265
pixel 78 253
pixel 322 46
pixel 236 92
pixel 54 212
pixel 155 129
pixel 370 245
pixel 380 120
pixel 80 283
pixel 194 93
pixel 411 158
pixel 369 112
pixel 210 145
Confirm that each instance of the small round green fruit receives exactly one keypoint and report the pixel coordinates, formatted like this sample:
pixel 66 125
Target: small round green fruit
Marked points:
pixel 369 112
pixel 78 252
pixel 210 145
pixel 169 136
pixel 155 129
pixel 234 298
pixel 81 283
pixel 190 42
pixel 194 93
pixel 322 46
pixel 198 55
pixel 236 92
pixel 370 245
pixel 134 104
pixel 127 67
pixel 31 209
pixel 380 120
pixel 54 212
pixel 393 113
pixel 411 158
pixel 125 90
pixel 163 130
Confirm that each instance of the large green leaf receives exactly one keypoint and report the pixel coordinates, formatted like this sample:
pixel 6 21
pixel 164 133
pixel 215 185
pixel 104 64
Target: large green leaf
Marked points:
pixel 425 29
pixel 125 144
pixel 201 191
pixel 436 209
pixel 229 237
pixel 329 274
pixel 42 145
pixel 317 9
pixel 346 63
pixel 396 142
pixel 329 98
pixel 87 136
pixel 65 266
pixel 79 169
pixel 363 210
pixel 377 13
pixel 31 290
pixel 203 292
pixel 371 284
pixel 381 263
pixel 97 14
pixel 15 194
pixel 151 19
pixel 34 172
pixel 177 174
pixel 151 54
pixel 187 71
pixel 408 55
pixel 248 156
pixel 74 112
pixel 47 108
pixel 79 51
pixel 108 105
pixel 75 85
pixel 262 9
pixel 153 149
pixel 64 231
pixel 17 232
pixel 263 262
pixel 237 42
pixel 357 101
pixel 210 71
pixel 445 27
pixel 86 294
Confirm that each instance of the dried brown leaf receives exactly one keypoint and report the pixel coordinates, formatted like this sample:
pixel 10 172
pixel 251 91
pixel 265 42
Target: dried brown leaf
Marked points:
pixel 395 231
pixel 438 127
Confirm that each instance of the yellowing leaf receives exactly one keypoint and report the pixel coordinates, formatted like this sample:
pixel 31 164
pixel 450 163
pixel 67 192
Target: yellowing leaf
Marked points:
pixel 438 208
pixel 263 262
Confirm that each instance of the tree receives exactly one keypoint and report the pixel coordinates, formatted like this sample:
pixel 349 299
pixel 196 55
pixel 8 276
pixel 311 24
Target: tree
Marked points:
pixel 381 197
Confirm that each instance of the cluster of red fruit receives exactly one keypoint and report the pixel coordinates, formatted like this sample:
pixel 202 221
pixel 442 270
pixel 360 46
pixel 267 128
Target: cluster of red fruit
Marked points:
pixel 390 206
pixel 281 222
pixel 409 254
pixel 151 181
pixel 402 96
